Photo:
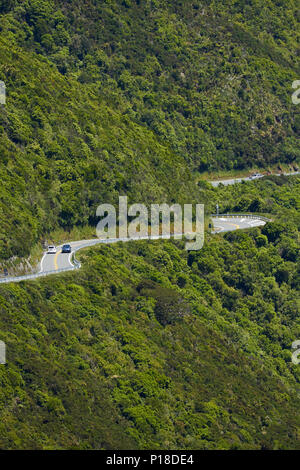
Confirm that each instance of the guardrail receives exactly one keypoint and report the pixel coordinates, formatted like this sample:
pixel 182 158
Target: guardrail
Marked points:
pixel 75 261
pixel 76 264
pixel 238 216
pixel 36 275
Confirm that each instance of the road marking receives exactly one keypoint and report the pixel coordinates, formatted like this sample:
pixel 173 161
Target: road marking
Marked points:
pixel 87 243
pixel 55 261
pixel 224 229
pixel 44 256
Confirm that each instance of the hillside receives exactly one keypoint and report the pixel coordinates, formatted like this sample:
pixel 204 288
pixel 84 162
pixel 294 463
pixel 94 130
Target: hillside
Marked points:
pixel 149 346
pixel 135 97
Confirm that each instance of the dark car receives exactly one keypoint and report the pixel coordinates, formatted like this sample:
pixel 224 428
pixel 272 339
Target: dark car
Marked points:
pixel 66 249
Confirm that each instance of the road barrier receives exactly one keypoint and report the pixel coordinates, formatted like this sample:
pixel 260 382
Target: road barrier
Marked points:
pixel 34 276
pixel 239 216
pixel 76 264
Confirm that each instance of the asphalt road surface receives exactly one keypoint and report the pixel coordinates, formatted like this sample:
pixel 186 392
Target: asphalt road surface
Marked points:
pixel 227 182
pixel 228 224
pixel 58 261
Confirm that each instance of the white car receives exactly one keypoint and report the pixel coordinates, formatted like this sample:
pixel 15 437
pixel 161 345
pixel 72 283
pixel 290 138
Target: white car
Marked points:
pixel 51 249
pixel 256 175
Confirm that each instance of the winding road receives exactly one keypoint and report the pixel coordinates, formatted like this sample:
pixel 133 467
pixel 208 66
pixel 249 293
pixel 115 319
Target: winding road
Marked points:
pixel 61 262
pixel 228 224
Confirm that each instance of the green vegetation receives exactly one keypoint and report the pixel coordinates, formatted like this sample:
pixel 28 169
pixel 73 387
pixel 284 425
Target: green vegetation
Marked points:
pixel 136 97
pixel 265 196
pixel 103 359
pixel 148 346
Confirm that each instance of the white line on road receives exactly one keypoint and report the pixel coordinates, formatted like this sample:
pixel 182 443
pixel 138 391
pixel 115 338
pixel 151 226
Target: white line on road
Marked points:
pixel 89 243
pixel 42 262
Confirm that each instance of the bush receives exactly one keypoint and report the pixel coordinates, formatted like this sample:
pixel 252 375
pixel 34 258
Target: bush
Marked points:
pixel 170 306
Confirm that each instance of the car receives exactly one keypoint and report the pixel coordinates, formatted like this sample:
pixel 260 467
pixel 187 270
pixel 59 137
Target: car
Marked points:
pixel 51 249
pixel 256 175
pixel 66 249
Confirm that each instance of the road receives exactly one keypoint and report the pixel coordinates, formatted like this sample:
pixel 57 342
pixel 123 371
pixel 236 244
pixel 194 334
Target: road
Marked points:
pixel 228 224
pixel 228 182
pixel 59 262
pixel 55 262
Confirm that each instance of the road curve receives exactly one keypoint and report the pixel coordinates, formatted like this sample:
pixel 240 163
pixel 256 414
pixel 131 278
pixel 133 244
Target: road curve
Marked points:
pixel 228 224
pixel 60 262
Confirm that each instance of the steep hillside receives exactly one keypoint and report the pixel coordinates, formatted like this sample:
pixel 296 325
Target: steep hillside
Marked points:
pixel 64 151
pixel 148 347
pixel 135 97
